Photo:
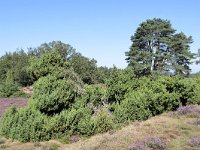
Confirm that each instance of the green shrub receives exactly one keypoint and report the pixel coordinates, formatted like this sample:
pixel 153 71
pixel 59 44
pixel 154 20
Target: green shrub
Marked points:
pixel 187 89
pixel 7 90
pixel 94 97
pixel 19 94
pixel 158 98
pixel 24 125
pixel 49 63
pixel 74 117
pixel 120 83
pixel 103 122
pixel 52 95
pixel 70 122
pixel 95 94
pixel 134 107
pixel 8 87
pixel 86 126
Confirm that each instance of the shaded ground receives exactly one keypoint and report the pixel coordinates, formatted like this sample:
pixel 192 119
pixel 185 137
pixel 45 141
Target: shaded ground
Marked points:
pixel 8 102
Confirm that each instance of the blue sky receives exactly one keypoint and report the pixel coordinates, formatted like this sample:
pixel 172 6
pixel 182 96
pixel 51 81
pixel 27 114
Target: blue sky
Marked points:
pixel 98 29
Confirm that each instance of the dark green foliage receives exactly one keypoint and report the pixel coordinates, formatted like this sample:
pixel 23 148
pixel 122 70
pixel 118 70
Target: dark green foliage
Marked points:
pixel 95 95
pixel 63 106
pixel 64 50
pixel 10 90
pixel 51 95
pixel 7 90
pixel 154 96
pixel 181 55
pixel 49 63
pixel 24 125
pixel 133 107
pixel 86 68
pixel 19 93
pixel 119 83
pixel 103 122
pixel 86 126
pixel 73 118
pixel 15 64
pixel 187 89
pixel 102 74
pixel 70 122
pixel 156 48
pixel 157 96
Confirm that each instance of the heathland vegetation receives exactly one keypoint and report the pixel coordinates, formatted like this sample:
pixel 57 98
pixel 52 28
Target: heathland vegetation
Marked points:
pixel 72 96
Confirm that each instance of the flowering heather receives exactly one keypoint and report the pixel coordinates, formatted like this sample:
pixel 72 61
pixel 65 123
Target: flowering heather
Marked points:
pixel 194 141
pixel 182 110
pixel 137 146
pixel 155 143
pixel 74 139
pixel 8 102
pixel 150 142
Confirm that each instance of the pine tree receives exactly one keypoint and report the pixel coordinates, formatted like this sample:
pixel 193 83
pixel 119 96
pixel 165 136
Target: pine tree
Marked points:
pixel 156 48
pixel 180 54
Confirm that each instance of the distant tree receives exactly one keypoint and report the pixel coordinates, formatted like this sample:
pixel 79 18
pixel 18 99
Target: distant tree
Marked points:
pixel 102 74
pixel 65 50
pixel 86 68
pixel 16 63
pixel 156 48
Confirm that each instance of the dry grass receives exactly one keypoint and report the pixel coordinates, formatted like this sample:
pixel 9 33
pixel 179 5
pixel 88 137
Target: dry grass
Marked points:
pixel 50 145
pixel 174 129
pixel 162 126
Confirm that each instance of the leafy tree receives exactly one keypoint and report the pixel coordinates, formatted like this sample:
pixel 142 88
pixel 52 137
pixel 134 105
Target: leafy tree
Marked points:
pixel 156 48
pixel 65 50
pixel 86 68
pixel 16 63
pixel 102 74
pixel 9 87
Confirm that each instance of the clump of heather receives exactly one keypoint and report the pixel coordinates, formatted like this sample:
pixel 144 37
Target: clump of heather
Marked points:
pixel 155 143
pixel 194 141
pixel 182 110
pixel 74 139
pixel 137 146
pixel 5 103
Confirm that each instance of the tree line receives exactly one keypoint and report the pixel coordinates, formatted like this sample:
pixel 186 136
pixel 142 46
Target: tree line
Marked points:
pixel 156 48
